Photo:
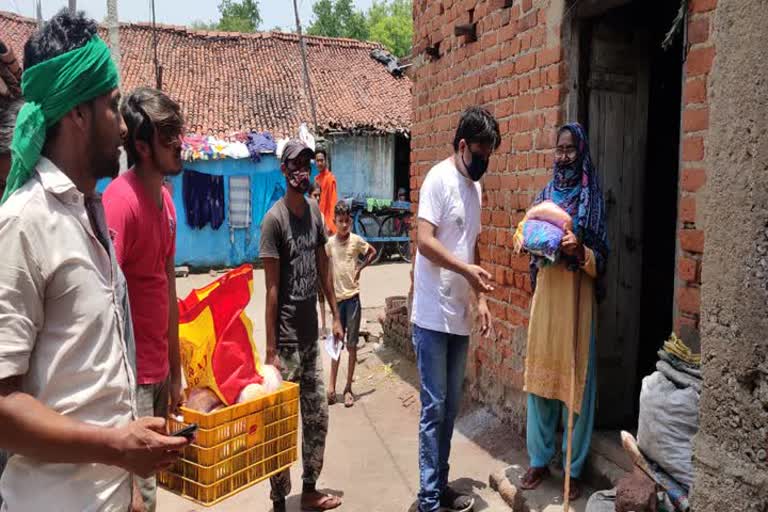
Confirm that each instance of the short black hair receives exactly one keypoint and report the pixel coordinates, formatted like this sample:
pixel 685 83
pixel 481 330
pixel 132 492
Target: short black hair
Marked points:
pixel 478 126
pixel 321 151
pixel 315 186
pixel 64 32
pixel 342 209
pixel 147 111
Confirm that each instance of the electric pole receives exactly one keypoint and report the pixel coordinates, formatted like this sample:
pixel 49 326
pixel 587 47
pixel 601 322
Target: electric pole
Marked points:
pixel 307 84
pixel 113 30
pixel 73 5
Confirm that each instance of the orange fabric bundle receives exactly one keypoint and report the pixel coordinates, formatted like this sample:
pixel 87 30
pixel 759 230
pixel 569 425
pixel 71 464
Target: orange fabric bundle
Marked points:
pixel 216 336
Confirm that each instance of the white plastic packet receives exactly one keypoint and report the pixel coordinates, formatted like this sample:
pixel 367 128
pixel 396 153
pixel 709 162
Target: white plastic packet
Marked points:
pixel 333 347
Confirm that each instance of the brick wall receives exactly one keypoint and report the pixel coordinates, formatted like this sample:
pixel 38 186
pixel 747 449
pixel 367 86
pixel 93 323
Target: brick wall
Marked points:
pixel 693 168
pixel 516 69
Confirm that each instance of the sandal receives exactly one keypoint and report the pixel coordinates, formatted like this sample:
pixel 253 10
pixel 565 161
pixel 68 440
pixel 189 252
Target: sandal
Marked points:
pixel 326 502
pixel 331 398
pixel 533 477
pixel 349 398
pixel 575 492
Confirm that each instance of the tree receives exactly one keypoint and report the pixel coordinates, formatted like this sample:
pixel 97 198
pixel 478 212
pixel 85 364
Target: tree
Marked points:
pixel 236 16
pixel 391 24
pixel 338 18
pixel 242 16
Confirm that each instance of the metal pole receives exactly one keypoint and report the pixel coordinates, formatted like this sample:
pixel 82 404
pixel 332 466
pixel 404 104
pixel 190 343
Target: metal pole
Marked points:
pixel 39 13
pixel 158 78
pixel 307 84
pixel 73 5
pixel 113 31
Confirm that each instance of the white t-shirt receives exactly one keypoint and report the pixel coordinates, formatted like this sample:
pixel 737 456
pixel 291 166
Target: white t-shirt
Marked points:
pixel 450 201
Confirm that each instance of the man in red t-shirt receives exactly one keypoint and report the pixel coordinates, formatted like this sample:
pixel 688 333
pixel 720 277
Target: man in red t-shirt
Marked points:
pixel 142 222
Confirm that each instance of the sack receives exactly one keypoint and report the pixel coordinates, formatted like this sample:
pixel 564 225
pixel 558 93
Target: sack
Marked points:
pixel 669 419
pixel 216 336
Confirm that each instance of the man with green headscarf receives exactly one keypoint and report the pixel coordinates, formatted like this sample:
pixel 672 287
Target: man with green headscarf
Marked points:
pixel 67 377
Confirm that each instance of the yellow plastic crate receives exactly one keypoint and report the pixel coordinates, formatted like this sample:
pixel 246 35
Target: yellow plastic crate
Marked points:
pixel 236 447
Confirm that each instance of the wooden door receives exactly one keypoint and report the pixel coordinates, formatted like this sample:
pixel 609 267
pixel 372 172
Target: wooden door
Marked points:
pixel 617 91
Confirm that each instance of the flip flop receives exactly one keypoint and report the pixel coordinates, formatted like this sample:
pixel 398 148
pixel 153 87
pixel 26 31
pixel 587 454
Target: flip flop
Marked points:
pixel 349 398
pixel 327 502
pixel 331 398
pixel 575 493
pixel 533 477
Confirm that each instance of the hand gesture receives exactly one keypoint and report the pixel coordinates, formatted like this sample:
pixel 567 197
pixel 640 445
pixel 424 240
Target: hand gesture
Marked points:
pixel 274 359
pixel 144 448
pixel 338 332
pixel 570 244
pixel 478 279
pixel 485 317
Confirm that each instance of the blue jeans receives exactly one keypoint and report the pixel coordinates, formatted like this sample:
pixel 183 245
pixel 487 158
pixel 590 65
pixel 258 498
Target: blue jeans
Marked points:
pixel 441 359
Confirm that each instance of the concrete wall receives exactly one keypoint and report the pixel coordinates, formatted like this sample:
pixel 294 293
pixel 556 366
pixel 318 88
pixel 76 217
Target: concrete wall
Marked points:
pixel 731 447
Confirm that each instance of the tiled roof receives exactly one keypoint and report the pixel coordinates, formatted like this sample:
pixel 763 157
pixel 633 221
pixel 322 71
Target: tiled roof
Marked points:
pixel 238 82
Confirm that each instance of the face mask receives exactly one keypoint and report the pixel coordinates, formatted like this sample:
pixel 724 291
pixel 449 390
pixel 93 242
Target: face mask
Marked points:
pixel 476 167
pixel 299 180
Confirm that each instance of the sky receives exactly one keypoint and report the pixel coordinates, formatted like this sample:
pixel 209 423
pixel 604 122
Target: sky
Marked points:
pixel 275 13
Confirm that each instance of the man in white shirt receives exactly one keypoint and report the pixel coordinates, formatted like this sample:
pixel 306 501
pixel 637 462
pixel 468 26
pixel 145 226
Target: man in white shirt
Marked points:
pixel 446 272
pixel 67 377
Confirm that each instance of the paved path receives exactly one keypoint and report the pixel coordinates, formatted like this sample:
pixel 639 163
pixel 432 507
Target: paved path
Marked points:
pixel 371 453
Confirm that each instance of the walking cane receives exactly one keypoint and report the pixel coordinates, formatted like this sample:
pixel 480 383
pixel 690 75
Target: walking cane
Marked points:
pixel 569 434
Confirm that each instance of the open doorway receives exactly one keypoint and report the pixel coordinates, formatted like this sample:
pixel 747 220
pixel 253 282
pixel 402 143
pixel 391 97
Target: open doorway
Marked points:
pixel 630 103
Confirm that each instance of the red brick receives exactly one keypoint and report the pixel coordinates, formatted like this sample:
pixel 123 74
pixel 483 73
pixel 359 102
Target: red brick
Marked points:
pixel 548 98
pixel 687 270
pixel 525 104
pixel 695 120
pixel 527 5
pixel 509 182
pixel 693 179
pixel 689 300
pixel 692 240
pixel 684 325
pixel 500 219
pixel 548 56
pixel 702 5
pixel 525 63
pixel 699 61
pixel 688 209
pixel 698 30
pixel 523 142
pixel 693 149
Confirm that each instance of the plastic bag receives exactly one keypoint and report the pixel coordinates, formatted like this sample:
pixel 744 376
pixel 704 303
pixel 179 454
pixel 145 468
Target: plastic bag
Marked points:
pixel 306 137
pixel 216 336
pixel 669 418
pixel 541 238
pixel 549 211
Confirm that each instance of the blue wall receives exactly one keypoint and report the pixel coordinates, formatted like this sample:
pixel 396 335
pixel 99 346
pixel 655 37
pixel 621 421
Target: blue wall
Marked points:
pixel 207 247
pixel 363 166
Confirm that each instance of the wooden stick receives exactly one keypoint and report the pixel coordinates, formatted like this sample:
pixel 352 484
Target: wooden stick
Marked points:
pixel 569 434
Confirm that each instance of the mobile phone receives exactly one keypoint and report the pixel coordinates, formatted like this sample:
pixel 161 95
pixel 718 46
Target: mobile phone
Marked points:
pixel 188 431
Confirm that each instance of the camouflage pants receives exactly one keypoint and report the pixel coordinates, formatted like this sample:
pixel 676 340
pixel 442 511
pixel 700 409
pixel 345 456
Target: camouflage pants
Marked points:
pixel 302 364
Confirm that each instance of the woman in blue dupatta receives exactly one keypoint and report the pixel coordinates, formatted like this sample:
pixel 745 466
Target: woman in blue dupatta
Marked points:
pixel 554 316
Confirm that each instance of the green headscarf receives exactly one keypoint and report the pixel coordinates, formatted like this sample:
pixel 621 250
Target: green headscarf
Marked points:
pixel 51 89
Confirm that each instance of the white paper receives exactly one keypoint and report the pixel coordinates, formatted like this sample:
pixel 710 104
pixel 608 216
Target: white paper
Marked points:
pixel 332 347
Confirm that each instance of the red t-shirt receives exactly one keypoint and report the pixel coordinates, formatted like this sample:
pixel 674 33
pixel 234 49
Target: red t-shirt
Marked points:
pixel 144 237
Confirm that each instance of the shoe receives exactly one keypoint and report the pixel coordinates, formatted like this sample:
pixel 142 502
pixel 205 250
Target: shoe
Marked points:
pixel 453 501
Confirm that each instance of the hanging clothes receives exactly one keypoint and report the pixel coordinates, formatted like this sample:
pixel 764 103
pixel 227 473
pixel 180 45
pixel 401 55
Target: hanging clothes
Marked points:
pixel 259 143
pixel 203 199
pixel 239 205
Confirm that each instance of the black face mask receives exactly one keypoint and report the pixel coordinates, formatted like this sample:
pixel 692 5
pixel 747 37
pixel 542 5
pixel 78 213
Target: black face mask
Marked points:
pixel 476 167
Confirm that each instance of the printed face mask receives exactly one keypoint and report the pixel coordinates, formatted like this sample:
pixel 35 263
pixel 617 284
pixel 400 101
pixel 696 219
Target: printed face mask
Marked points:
pixel 299 180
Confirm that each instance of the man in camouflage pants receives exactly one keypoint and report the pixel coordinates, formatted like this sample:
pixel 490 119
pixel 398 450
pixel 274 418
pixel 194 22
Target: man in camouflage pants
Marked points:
pixel 292 248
